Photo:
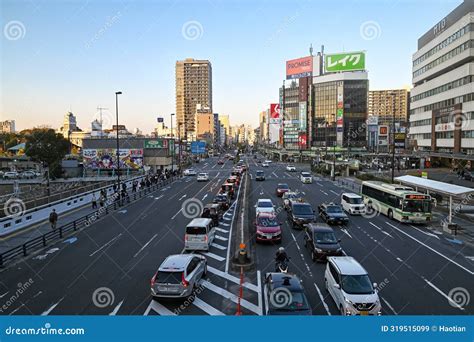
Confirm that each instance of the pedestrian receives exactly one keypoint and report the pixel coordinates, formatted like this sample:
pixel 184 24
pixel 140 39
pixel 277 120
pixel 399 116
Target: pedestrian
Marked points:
pixel 101 201
pixel 53 219
pixel 94 201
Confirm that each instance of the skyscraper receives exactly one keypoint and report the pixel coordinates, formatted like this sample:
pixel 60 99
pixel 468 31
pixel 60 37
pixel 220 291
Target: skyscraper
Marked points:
pixel 193 87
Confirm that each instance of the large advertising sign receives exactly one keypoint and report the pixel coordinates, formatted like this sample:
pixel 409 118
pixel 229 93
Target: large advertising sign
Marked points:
pixel 156 143
pixel 275 113
pixel 302 140
pixel 300 67
pixel 198 147
pixel 383 131
pixel 350 61
pixel 400 139
pixel 274 131
pixel 302 115
pixel 303 89
pixel 106 158
pixel 340 114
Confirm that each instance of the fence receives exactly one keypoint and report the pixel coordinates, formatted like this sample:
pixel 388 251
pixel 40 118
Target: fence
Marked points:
pixel 82 222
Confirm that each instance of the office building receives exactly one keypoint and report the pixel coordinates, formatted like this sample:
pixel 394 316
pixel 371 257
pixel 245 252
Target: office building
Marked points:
pixel 389 106
pixel 7 126
pixel 193 87
pixel 442 99
pixel 204 119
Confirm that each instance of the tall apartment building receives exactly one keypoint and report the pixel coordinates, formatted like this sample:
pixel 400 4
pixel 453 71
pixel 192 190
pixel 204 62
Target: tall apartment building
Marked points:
pixel 204 119
pixel 193 87
pixel 389 105
pixel 442 100
pixel 224 119
pixel 7 126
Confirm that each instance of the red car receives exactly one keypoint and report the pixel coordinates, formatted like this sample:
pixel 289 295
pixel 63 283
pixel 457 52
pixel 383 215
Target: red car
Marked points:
pixel 268 228
pixel 220 162
pixel 281 189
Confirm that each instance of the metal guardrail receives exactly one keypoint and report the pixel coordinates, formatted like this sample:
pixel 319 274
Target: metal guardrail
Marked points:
pixel 57 234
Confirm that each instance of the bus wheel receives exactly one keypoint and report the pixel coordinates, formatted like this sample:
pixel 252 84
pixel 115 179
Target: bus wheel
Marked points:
pixel 390 214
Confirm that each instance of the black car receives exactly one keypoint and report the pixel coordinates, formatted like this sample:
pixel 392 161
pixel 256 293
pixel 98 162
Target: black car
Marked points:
pixel 299 214
pixel 259 175
pixel 321 241
pixel 332 213
pixel 469 175
pixel 285 295
pixel 223 200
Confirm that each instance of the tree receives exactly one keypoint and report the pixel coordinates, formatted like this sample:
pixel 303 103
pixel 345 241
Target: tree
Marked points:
pixel 47 146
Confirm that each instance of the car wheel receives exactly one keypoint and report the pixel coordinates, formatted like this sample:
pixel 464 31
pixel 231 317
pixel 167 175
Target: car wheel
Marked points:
pixel 390 214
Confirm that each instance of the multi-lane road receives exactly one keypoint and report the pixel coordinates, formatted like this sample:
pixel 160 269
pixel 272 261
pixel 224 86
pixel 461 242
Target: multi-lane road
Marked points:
pixel 106 268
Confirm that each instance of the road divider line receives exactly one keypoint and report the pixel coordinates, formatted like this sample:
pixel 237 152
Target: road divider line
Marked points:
pixel 383 231
pixel 432 249
pixel 324 192
pixel 145 245
pixel 322 299
pixel 426 233
pixel 106 245
pixel 346 232
pixel 389 306
pixel 206 307
pixel 174 216
pixel 335 193
pixel 232 278
pixel 51 308
pixel 450 300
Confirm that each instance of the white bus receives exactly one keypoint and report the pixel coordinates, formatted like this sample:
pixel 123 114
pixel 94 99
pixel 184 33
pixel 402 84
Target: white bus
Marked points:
pixel 398 202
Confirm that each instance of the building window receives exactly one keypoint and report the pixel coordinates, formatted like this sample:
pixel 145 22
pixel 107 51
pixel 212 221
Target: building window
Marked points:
pixel 445 87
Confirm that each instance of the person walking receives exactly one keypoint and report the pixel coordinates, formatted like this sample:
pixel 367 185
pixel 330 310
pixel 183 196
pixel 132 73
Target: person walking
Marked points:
pixel 53 219
pixel 94 201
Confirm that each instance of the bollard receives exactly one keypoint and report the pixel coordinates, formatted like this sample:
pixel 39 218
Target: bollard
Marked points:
pixel 243 258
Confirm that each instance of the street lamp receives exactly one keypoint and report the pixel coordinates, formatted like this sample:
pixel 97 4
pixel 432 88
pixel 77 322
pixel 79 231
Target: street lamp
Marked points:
pixel 393 135
pixel 334 151
pixel 172 137
pixel 117 93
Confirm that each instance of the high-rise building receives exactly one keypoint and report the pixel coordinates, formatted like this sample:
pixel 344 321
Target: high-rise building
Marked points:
pixel 442 100
pixel 7 126
pixel 193 87
pixel 224 119
pixel 204 119
pixel 388 105
pixel 263 125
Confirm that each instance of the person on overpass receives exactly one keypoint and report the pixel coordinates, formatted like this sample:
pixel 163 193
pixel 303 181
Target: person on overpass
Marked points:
pixel 53 219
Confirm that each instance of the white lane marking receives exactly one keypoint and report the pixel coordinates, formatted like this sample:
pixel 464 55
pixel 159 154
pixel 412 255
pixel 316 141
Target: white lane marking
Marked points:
pixel 222 166
pixel 230 229
pixel 116 309
pixel 145 245
pixel 426 233
pixel 322 299
pixel 467 257
pixel 18 308
pixel 335 193
pixel 251 176
pixel 346 232
pixel 450 300
pixel 226 294
pixel 213 256
pixel 383 231
pixel 204 197
pixel 286 173
pixel 214 166
pixel 159 308
pixel 184 196
pixel 3 295
pixel 106 245
pixel 273 173
pixel 206 307
pixel 47 312
pixel 174 216
pixel 399 259
pixel 432 249
pixel 218 237
pixel 319 184
pixel 222 248
pixel 259 290
pixel 324 192
pixel 124 211
pixel 157 198
pixel 265 298
pixel 232 278
pixel 221 230
pixel 388 304
pixel 225 224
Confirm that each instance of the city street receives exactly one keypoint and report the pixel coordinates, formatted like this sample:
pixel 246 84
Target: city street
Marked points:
pixel 106 268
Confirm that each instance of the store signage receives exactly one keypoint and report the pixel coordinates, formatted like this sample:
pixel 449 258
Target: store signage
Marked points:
pixel 351 61
pixel 300 67
pixel 156 143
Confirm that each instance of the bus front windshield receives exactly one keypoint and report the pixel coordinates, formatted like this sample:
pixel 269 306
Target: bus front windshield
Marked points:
pixel 417 206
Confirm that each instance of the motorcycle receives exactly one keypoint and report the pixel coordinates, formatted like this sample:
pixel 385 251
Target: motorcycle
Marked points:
pixel 281 266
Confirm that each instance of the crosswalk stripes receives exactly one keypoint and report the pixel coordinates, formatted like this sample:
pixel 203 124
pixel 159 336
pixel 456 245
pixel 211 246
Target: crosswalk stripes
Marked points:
pixel 221 230
pixel 158 308
pixel 213 256
pixel 218 237
pixel 207 308
pixel 216 245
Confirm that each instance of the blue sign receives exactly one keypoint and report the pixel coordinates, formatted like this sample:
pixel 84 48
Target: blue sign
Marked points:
pixel 198 147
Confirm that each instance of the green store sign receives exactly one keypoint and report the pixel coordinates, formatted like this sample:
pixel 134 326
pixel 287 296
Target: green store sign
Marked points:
pixel 350 61
pixel 156 143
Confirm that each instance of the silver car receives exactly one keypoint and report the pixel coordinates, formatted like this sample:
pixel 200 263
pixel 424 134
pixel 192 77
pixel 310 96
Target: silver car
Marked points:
pixel 178 276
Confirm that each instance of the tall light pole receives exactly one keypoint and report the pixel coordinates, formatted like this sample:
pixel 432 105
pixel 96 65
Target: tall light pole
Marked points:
pixel 393 135
pixel 117 93
pixel 172 138
pixel 334 151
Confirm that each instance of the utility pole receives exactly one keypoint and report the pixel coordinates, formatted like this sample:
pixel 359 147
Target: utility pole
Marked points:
pixel 117 139
pixel 393 136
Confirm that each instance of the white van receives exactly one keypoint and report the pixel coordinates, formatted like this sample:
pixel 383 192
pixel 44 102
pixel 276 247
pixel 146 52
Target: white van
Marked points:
pixel 350 287
pixel 199 235
pixel 352 203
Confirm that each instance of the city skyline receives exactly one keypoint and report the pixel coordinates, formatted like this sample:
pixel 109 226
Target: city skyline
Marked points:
pixel 106 48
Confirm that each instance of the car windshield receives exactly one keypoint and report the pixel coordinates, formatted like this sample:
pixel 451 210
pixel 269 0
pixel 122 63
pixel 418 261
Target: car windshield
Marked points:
pixel 302 209
pixel 355 200
pixel 259 173
pixel 334 209
pixel 297 301
pixel 283 186
pixel 305 174
pixel 325 238
pixel 417 206
pixel 357 284
pixel 265 204
pixel 203 174
pixel 267 222
pixel 172 277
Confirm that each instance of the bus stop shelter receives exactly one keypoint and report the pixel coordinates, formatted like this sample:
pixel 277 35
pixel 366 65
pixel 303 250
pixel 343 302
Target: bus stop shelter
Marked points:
pixel 447 189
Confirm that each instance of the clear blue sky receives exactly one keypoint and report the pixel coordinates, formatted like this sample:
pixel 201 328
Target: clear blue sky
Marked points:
pixel 76 54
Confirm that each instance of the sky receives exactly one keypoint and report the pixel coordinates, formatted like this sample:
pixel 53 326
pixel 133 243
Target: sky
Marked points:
pixel 60 56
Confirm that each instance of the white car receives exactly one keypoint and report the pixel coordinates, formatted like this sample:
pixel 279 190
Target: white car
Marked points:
pixel 352 203
pixel 306 178
pixel 290 168
pixel 189 172
pixel 264 205
pixel 265 164
pixel 268 161
pixel 10 175
pixel 202 177
pixel 350 287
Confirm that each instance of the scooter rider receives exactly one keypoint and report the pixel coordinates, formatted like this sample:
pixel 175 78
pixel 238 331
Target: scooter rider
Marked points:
pixel 281 257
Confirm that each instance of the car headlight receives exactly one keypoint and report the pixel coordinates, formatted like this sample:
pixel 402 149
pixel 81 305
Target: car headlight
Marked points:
pixel 339 249
pixel 318 250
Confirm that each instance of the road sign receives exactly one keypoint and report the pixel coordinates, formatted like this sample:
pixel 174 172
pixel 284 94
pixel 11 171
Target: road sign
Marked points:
pixel 198 147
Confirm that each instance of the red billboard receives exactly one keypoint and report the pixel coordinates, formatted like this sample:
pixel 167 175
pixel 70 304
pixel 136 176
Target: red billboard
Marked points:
pixel 303 89
pixel 274 111
pixel 300 67
pixel 302 140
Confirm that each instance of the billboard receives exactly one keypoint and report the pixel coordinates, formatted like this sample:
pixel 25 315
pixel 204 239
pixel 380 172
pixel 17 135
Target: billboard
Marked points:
pixel 274 113
pixel 340 114
pixel 400 139
pixel 300 67
pixel 302 115
pixel 160 120
pixel 372 120
pixel 156 143
pixel 198 147
pixel 383 131
pixel 302 140
pixel 106 158
pixel 350 61
pixel 303 89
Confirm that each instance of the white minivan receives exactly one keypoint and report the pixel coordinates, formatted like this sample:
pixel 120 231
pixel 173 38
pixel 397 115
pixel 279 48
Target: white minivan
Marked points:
pixel 350 287
pixel 352 203
pixel 200 234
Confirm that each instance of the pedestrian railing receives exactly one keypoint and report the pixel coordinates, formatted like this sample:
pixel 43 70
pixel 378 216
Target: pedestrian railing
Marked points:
pixel 111 204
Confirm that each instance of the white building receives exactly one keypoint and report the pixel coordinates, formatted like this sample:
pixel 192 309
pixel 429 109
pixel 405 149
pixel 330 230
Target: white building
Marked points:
pixel 7 126
pixel 442 100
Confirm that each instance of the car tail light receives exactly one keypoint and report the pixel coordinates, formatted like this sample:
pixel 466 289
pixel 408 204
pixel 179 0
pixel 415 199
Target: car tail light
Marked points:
pixel 186 237
pixel 205 238
pixel 153 280
pixel 184 281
